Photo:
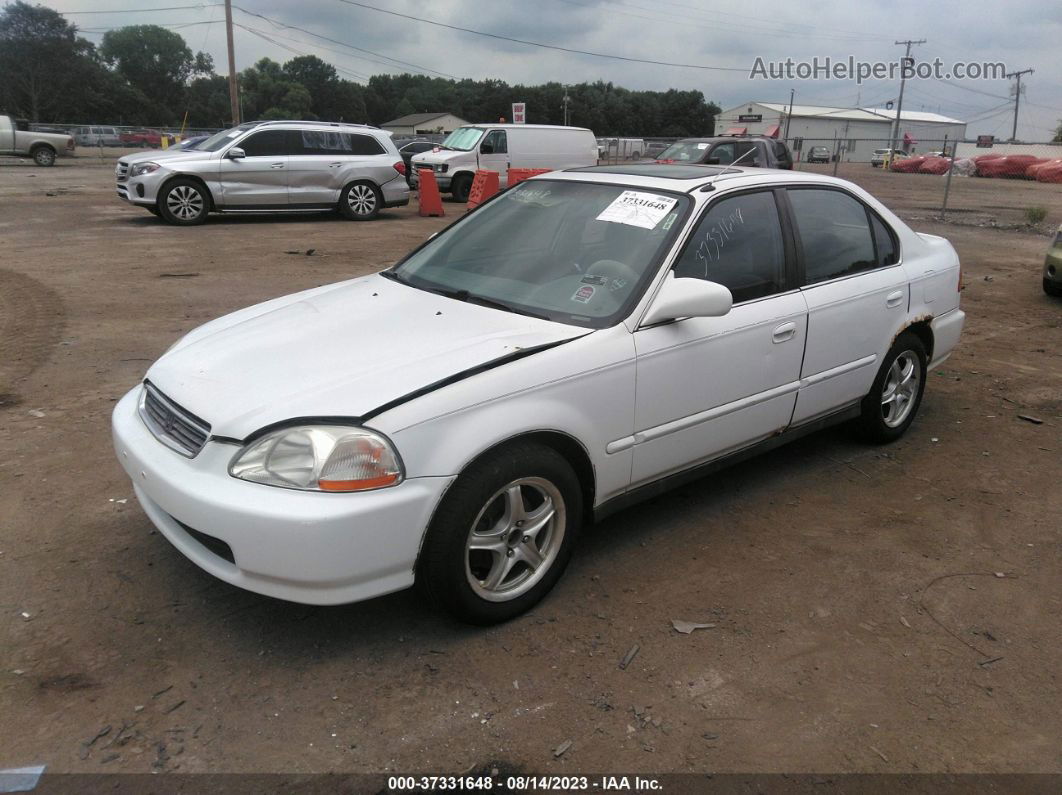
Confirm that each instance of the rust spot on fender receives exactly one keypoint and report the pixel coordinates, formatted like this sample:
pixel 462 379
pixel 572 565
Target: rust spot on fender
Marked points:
pixel 926 318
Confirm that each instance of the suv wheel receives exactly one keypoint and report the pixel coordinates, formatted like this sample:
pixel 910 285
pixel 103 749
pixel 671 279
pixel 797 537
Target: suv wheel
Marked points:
pixel 44 156
pixel 360 201
pixel 184 202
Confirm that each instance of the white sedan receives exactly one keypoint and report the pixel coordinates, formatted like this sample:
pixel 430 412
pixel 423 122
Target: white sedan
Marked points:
pixel 578 343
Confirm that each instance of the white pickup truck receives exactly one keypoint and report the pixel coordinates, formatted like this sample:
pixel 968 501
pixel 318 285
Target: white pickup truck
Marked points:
pixel 44 148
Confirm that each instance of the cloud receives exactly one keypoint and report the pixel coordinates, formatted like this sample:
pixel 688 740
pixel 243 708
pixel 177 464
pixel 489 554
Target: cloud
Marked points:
pixel 1021 33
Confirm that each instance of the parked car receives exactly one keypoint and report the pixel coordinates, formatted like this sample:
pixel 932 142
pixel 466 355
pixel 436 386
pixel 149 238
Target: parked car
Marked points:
pixel 411 148
pixel 499 147
pixel 818 154
pixel 1053 266
pixel 146 138
pixel 16 138
pixel 582 341
pixel 266 167
pixel 654 148
pixel 620 148
pixel 877 158
pixel 97 136
pixel 723 150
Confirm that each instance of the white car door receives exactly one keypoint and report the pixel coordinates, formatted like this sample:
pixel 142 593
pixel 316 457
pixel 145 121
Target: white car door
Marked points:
pixel 709 386
pixel 857 296
pixel 494 154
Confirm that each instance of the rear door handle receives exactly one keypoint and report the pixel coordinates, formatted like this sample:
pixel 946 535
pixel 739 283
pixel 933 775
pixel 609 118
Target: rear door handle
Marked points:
pixel 784 332
pixel 277 165
pixel 334 165
pixel 894 299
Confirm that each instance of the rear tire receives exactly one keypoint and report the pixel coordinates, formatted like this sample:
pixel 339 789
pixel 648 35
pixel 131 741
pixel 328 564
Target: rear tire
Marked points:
pixel 360 201
pixel 43 156
pixel 461 187
pixel 892 403
pixel 1052 289
pixel 502 535
pixel 184 202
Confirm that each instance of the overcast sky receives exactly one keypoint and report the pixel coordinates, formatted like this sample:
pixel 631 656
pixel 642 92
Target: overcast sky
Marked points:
pixel 1020 33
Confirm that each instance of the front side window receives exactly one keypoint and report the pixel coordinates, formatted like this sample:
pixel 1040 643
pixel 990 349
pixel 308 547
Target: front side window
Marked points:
pixel 463 139
pixel 572 252
pixel 738 243
pixel 268 143
pixel 495 143
pixel 834 231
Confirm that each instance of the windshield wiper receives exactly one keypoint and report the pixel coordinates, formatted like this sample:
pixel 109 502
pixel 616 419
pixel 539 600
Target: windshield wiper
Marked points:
pixel 493 304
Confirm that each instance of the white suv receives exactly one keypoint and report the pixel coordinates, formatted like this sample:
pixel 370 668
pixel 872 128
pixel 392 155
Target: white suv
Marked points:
pixel 269 166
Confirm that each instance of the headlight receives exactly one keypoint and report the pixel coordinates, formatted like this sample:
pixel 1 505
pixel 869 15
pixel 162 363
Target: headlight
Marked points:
pixel 320 458
pixel 441 168
pixel 144 168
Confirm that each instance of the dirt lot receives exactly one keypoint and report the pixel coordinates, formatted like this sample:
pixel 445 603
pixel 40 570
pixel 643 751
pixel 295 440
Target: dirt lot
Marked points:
pixel 875 609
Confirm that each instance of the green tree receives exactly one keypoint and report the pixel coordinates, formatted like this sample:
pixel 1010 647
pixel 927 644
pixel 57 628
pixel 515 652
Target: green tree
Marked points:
pixel 268 93
pixel 44 64
pixel 158 63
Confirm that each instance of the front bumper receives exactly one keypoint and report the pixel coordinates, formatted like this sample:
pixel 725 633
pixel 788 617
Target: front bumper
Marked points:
pixel 301 546
pixel 442 180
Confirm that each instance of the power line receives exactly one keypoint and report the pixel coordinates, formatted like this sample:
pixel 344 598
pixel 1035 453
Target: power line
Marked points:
pixel 136 10
pixel 545 46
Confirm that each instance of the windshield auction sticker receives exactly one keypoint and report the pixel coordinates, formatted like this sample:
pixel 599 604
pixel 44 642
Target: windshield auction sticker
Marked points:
pixel 635 208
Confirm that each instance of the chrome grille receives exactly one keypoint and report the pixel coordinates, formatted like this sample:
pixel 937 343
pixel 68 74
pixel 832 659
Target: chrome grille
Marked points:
pixel 172 425
pixel 121 172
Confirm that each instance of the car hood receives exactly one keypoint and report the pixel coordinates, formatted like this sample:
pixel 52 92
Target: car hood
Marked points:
pixel 339 351
pixel 442 156
pixel 164 156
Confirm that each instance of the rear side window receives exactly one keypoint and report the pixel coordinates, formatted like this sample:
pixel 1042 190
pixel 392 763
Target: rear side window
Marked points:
pixel 364 145
pixel 268 143
pixel 835 234
pixel 738 243
pixel 324 142
pixel 884 243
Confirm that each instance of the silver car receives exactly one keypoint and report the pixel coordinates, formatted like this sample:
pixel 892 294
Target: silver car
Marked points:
pixel 281 166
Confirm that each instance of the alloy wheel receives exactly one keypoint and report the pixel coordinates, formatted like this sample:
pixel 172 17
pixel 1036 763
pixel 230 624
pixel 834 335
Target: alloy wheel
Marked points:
pixel 900 389
pixel 515 539
pixel 185 203
pixel 362 199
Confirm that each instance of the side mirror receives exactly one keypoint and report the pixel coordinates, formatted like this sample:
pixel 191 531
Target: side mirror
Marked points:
pixel 235 153
pixel 486 149
pixel 688 298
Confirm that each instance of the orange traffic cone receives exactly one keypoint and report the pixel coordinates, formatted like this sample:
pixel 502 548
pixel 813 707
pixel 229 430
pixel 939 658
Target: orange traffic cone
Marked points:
pixel 429 198
pixel 484 186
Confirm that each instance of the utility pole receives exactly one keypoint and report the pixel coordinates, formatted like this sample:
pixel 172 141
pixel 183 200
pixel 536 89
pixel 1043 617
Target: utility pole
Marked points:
pixel 903 79
pixel 1017 99
pixel 789 115
pixel 234 101
pixel 567 99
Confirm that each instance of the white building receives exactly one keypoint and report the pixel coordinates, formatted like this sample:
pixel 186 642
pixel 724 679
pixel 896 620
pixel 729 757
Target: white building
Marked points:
pixel 862 130
pixel 424 124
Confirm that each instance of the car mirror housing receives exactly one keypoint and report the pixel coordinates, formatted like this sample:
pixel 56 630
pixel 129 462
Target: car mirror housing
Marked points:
pixel 684 297
pixel 235 153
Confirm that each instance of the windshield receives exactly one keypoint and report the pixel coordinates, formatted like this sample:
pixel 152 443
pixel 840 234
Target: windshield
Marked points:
pixel 463 138
pixel 685 151
pixel 223 138
pixel 572 252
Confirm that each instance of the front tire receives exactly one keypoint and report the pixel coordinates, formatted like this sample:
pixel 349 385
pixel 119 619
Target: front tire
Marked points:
pixel 184 202
pixel 890 407
pixel 503 534
pixel 44 156
pixel 360 201
pixel 461 188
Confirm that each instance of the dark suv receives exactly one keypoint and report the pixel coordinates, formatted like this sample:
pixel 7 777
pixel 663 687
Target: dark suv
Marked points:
pixel 724 150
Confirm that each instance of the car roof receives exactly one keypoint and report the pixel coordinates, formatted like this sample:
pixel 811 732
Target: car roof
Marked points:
pixel 689 178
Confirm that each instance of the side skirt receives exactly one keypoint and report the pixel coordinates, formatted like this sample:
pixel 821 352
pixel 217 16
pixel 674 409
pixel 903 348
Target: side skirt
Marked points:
pixel 669 482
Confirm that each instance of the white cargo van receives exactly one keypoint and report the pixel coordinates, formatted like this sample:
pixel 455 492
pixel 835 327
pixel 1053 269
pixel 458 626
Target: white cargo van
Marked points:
pixel 499 147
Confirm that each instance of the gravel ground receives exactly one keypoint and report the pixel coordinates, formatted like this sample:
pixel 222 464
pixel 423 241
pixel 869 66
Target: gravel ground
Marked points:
pixel 873 608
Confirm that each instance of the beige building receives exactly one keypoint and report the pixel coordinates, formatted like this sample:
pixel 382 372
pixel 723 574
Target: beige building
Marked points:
pixel 424 124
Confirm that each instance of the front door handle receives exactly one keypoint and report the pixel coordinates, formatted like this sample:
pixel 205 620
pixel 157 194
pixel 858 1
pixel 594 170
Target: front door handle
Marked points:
pixel 334 165
pixel 277 165
pixel 784 332
pixel 894 299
